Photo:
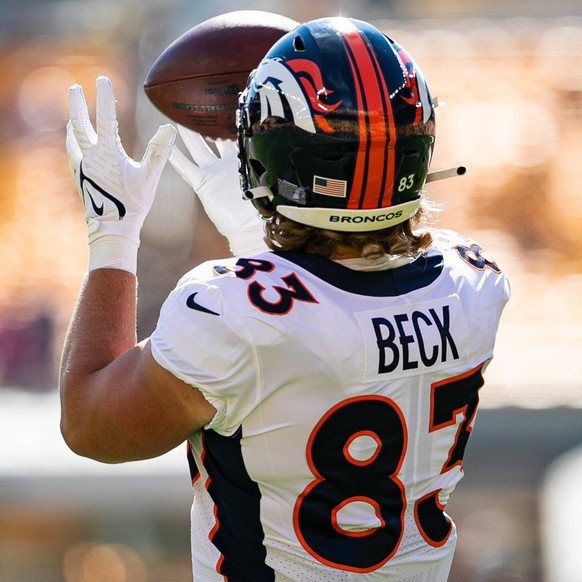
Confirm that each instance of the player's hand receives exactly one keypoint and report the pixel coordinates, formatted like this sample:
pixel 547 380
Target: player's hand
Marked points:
pixel 117 191
pixel 215 179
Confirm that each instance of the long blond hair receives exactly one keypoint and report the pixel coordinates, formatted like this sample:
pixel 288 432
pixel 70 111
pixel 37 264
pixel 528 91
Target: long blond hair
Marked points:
pixel 284 234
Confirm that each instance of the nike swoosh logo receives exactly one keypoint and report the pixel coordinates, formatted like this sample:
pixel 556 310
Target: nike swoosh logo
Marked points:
pixel 98 209
pixel 121 210
pixel 191 303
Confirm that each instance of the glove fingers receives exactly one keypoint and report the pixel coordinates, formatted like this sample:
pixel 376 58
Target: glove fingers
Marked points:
pixel 81 123
pixel 106 112
pixel 164 137
pixel 158 149
pixel 200 151
pixel 190 173
pixel 227 148
pixel 74 153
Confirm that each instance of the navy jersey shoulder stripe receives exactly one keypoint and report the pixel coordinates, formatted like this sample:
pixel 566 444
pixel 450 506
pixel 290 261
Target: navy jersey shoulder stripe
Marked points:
pixel 239 534
pixel 419 273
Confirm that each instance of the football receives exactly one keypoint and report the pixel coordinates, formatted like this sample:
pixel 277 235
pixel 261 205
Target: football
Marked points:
pixel 196 80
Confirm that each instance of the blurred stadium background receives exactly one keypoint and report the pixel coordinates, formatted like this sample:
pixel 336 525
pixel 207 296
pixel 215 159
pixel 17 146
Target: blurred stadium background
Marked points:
pixel 510 73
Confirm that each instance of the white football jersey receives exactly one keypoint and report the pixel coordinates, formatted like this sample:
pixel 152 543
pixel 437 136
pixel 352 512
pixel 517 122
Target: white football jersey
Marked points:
pixel 344 403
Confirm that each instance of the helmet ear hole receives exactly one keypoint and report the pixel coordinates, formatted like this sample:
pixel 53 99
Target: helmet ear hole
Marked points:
pixel 298 44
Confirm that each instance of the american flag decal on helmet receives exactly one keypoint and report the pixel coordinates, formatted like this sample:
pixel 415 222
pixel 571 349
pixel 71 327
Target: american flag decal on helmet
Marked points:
pixel 329 186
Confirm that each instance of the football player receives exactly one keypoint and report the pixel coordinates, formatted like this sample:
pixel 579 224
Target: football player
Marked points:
pixel 327 376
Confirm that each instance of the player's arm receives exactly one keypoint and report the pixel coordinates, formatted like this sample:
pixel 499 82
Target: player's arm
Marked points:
pixel 117 403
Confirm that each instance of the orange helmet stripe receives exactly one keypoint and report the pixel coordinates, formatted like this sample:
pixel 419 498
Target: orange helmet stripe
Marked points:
pixel 374 168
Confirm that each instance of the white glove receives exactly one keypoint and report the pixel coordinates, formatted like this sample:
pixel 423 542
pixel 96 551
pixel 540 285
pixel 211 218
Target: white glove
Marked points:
pixel 215 179
pixel 117 192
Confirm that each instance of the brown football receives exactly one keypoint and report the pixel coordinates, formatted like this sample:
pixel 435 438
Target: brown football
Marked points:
pixel 197 78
